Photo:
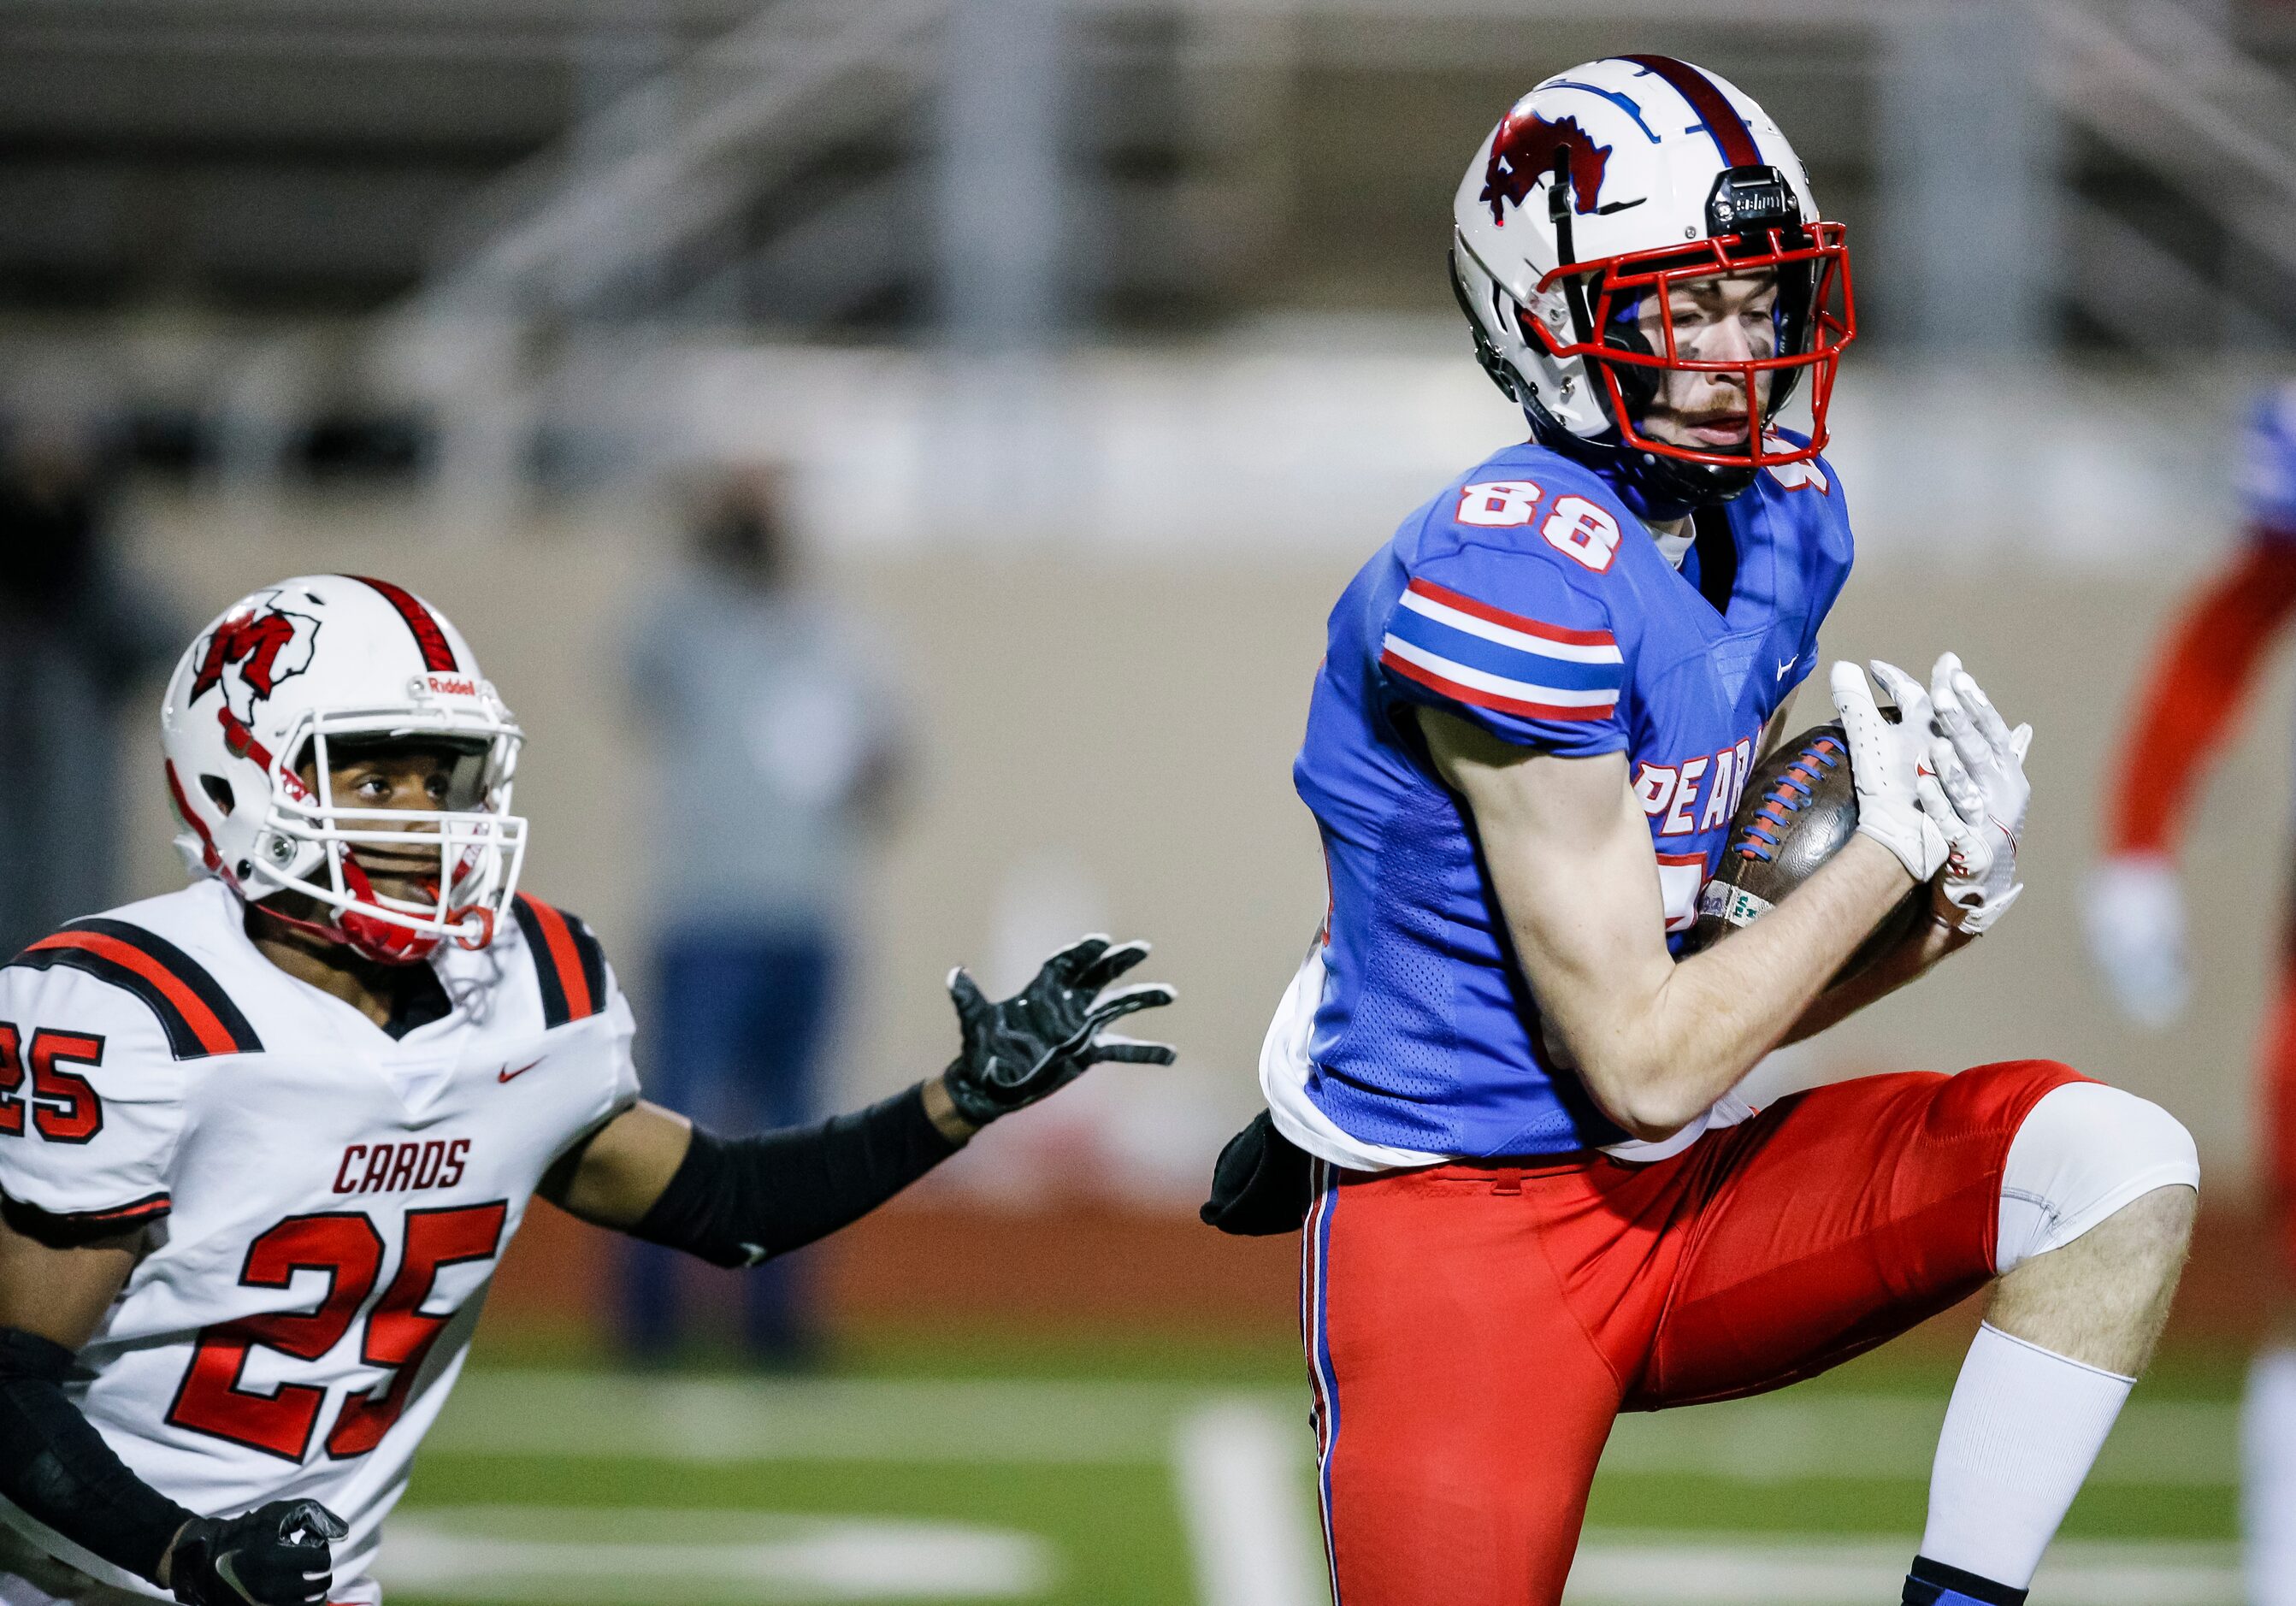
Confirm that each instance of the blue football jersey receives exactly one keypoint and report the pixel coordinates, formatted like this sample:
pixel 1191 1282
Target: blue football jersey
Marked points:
pixel 1527 600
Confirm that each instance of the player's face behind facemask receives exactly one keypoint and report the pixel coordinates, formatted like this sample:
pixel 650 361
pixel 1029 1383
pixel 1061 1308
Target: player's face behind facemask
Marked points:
pixel 1605 193
pixel 378 861
pixel 1729 322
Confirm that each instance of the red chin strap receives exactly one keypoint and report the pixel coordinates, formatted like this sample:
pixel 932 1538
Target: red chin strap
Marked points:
pixel 383 942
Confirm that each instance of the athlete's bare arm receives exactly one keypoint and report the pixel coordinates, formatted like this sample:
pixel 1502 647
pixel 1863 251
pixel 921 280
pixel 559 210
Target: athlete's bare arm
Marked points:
pixel 1929 940
pixel 613 1178
pixel 1655 1042
pixel 616 1175
pixel 60 1294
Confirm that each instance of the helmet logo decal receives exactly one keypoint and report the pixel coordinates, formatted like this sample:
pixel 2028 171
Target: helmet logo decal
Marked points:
pixel 250 652
pixel 1523 153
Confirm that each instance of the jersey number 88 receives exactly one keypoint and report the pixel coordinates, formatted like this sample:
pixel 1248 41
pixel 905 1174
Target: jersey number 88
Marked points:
pixel 1580 530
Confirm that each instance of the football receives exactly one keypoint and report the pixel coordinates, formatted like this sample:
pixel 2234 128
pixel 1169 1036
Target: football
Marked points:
pixel 1799 807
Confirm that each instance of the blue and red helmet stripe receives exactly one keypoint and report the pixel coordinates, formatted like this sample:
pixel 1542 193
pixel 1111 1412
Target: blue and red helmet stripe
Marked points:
pixel 1716 114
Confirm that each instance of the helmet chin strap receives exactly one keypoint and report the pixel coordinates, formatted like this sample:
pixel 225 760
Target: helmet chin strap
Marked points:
pixel 1661 489
pixel 1655 489
pixel 383 942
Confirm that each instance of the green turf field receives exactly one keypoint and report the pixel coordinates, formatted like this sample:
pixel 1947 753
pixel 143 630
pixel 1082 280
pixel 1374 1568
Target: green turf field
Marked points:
pixel 1091 1472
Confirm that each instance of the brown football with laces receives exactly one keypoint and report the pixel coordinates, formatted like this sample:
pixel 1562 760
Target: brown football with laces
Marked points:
pixel 1798 810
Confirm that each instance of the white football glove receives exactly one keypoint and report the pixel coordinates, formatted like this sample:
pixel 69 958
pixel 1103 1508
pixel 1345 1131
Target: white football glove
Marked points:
pixel 1899 803
pixel 2135 912
pixel 1980 763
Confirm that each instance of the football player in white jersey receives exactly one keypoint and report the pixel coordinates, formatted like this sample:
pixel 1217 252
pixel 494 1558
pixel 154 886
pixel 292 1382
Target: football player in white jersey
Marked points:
pixel 263 1139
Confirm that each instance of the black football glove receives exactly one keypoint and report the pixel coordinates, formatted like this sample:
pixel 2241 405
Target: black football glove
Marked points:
pixel 279 1554
pixel 1042 1037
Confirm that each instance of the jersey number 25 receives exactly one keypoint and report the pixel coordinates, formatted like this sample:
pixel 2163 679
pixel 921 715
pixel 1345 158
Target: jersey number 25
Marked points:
pixel 346 1247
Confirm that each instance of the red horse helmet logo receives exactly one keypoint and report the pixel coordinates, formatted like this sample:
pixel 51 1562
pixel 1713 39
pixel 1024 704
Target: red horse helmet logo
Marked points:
pixel 251 651
pixel 1523 152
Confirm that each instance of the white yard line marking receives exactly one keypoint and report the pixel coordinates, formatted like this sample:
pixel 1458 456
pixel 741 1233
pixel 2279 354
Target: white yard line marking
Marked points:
pixel 1241 1470
pixel 686 1557
pixel 1621 1568
pixel 1777 1437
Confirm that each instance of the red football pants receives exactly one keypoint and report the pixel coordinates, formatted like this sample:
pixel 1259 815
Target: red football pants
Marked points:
pixel 2278 1074
pixel 1473 1330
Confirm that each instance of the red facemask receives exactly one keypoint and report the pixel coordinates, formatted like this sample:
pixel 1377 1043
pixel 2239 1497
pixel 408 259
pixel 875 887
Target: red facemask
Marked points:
pixel 1818 318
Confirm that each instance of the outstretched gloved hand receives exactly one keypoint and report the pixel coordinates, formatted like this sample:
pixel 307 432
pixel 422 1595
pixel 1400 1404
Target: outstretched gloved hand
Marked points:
pixel 1032 1044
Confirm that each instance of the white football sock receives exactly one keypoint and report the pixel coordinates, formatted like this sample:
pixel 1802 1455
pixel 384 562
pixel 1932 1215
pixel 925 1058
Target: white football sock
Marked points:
pixel 2021 1432
pixel 2267 1442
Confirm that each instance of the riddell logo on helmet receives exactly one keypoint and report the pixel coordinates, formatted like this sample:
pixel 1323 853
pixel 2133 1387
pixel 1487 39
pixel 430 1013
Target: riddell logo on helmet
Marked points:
pixel 1746 200
pixel 251 651
pixel 1523 151
pixel 450 686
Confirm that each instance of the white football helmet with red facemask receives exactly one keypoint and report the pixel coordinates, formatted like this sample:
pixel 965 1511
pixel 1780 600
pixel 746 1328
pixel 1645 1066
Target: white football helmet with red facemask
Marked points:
pixel 291 676
pixel 1623 179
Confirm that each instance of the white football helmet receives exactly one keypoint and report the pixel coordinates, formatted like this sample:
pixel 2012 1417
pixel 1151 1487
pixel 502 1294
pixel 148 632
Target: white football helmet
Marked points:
pixel 324 659
pixel 1622 179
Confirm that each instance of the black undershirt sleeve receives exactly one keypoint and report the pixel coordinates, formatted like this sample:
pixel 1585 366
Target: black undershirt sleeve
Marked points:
pixel 56 1466
pixel 736 1201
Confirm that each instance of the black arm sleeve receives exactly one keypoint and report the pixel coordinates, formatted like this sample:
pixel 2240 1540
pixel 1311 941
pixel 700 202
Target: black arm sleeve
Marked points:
pixel 740 1201
pixel 55 1465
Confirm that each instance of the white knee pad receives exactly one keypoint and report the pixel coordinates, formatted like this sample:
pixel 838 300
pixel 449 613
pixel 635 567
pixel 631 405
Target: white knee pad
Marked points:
pixel 2084 1151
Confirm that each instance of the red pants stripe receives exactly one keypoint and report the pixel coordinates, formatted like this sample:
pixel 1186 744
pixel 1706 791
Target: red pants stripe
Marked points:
pixel 1473 1331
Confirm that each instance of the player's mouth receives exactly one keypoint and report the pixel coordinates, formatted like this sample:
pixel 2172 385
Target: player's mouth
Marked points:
pixel 406 876
pixel 1716 428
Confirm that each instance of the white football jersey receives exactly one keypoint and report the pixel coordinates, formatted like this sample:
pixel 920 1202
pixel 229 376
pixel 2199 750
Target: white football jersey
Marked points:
pixel 325 1203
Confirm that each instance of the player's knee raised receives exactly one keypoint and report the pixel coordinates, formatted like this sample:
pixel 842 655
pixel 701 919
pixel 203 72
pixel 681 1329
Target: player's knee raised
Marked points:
pixel 2083 1152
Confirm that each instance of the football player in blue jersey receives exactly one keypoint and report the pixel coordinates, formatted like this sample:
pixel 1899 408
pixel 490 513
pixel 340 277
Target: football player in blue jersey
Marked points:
pixel 1535 1199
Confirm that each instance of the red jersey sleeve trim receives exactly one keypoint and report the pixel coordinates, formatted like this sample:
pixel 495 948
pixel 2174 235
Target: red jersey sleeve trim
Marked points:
pixel 197 1014
pixel 1492 699
pixel 568 961
pixel 1512 621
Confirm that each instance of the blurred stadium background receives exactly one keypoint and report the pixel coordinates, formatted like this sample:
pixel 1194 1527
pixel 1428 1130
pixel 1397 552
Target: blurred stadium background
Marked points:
pixel 1097 341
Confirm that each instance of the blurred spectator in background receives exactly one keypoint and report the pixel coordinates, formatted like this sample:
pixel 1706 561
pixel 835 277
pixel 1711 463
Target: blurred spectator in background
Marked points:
pixel 2189 699
pixel 77 638
pixel 777 758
